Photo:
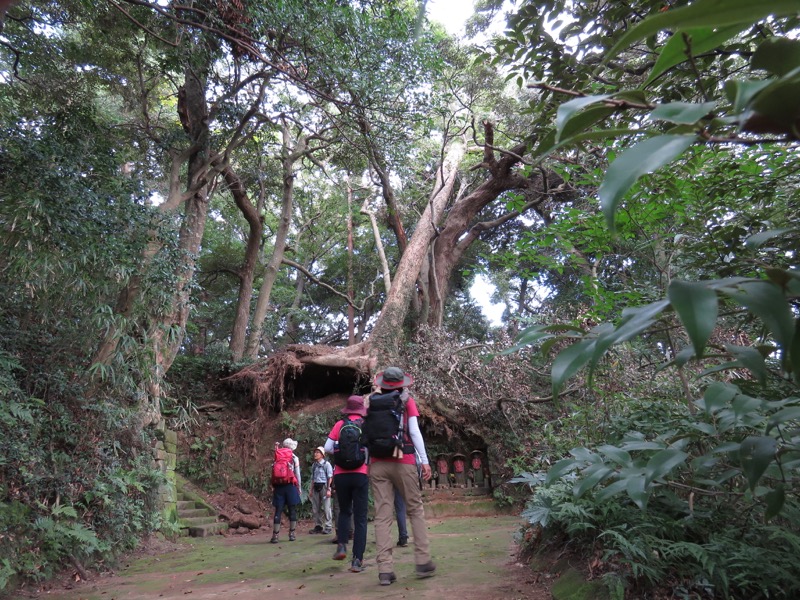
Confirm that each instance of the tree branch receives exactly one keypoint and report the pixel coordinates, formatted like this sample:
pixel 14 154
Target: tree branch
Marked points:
pixel 307 273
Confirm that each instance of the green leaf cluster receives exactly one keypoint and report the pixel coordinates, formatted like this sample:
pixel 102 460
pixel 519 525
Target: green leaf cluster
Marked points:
pixel 67 489
pixel 682 98
pixel 682 498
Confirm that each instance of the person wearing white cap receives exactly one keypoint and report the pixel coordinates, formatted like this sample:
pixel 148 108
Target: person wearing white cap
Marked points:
pixel 286 494
pixel 320 492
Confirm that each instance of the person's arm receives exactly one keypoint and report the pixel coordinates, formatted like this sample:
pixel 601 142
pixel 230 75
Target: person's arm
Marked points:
pixel 329 475
pixel 419 446
pixel 332 437
pixel 297 474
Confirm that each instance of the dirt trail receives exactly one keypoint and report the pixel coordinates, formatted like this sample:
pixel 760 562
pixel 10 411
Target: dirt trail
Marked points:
pixel 474 556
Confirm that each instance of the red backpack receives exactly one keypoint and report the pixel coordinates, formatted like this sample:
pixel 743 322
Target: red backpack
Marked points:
pixel 283 467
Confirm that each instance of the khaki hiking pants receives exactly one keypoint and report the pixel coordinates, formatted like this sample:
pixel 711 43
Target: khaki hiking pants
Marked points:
pixel 384 477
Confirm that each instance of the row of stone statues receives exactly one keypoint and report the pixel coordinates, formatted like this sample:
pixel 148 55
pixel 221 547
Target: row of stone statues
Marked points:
pixel 457 471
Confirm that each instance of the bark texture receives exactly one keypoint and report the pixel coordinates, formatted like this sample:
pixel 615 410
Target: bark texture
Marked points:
pixel 290 156
pixel 463 226
pixel 247 270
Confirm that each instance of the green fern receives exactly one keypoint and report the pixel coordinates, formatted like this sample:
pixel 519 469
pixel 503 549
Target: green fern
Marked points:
pixel 6 573
pixel 689 558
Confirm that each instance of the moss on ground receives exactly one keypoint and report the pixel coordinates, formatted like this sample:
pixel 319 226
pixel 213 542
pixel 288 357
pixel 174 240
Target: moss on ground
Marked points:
pixel 571 585
pixel 472 555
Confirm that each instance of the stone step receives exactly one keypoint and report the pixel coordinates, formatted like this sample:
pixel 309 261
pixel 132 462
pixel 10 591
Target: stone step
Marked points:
pixel 207 529
pixel 457 494
pixel 193 521
pixel 190 513
pixel 455 502
pixel 195 516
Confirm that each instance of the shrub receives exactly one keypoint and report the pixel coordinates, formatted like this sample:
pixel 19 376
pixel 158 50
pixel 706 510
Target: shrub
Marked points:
pixel 68 491
pixel 693 502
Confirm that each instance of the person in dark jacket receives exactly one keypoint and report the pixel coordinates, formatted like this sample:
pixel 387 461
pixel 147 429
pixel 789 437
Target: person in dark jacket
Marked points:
pixel 352 492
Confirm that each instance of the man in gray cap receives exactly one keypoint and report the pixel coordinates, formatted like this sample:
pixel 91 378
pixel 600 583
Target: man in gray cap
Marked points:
pixel 398 471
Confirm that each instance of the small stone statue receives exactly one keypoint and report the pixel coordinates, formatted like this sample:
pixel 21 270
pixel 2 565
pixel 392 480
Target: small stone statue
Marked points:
pixel 459 469
pixel 476 472
pixel 444 469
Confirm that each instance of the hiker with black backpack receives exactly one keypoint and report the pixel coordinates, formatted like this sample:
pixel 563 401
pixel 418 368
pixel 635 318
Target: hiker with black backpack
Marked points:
pixel 395 444
pixel 350 480
pixel 285 487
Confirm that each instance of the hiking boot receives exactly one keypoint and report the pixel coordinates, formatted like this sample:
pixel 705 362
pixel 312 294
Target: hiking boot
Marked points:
pixel 402 542
pixel 274 539
pixel 386 578
pixel 341 552
pixel 426 570
pixel 356 566
pixel 291 536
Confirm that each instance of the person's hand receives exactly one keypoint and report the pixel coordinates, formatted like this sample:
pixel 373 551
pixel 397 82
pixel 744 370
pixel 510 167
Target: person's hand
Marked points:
pixel 426 472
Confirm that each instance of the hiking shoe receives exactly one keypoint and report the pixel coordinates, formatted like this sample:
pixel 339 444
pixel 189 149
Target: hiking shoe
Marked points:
pixel 316 529
pixel 341 552
pixel 325 532
pixel 291 536
pixel 426 570
pixel 386 578
pixel 356 566
pixel 402 542
pixel 274 539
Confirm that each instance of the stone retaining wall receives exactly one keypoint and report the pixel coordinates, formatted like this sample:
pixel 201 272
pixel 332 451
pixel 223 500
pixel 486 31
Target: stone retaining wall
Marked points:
pixel 165 454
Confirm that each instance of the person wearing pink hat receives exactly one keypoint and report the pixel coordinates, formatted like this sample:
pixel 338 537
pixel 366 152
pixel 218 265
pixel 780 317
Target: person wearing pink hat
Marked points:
pixel 399 471
pixel 351 481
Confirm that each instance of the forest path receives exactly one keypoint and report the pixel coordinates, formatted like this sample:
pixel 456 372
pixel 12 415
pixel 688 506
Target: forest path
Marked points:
pixel 475 558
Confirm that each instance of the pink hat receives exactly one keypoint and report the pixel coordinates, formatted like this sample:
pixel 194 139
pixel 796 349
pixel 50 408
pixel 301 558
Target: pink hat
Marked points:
pixel 355 406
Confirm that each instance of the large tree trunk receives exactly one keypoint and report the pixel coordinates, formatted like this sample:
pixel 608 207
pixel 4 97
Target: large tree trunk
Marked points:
pixel 247 271
pixel 387 334
pixel 436 246
pixel 383 345
pixel 290 156
pixel 460 229
pixel 167 333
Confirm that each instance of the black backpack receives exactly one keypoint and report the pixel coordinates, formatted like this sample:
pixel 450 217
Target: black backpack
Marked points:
pixel 383 425
pixel 348 450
